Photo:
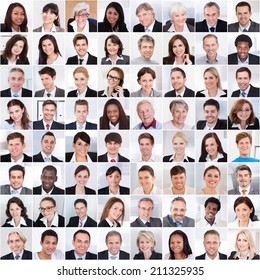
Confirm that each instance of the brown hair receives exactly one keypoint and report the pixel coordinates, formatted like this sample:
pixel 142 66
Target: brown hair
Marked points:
pixel 237 106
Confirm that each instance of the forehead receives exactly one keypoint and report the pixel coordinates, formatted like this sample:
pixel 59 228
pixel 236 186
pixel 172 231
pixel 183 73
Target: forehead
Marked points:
pixel 49 238
pixel 113 238
pixel 245 139
pixel 209 40
pixel 81 107
pixel 242 172
pixel 212 204
pixel 243 74
pixel 142 11
pixel 82 236
pixel 17 74
pixel 14 236
pixel 48 172
pixel 46 203
pixel 145 140
pixel 114 73
pixel 242 9
pixel 211 9
pixel 178 203
pixel 48 137
pixel 242 44
pixel 81 41
pixel 49 107
pixel 80 204
pixel 145 203
pixel 145 43
pixel 16 173
pixel 211 236
pixel 144 106
pixel 177 74
pixel 210 108
pixel 15 140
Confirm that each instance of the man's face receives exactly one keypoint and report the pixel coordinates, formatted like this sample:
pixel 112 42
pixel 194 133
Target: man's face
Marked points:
pixel 243 15
pixel 243 80
pixel 81 210
pixel 243 178
pixel 211 243
pixel 244 147
pixel 242 50
pixel 113 148
pixel 113 244
pixel 15 243
pixel 48 179
pixel 16 147
pixel 49 245
pixel 48 144
pixel 211 114
pixel 179 181
pixel 178 210
pixel 210 46
pixel 146 18
pixel 47 81
pixel 16 179
pixel 145 210
pixel 211 211
pixel 211 15
pixel 177 80
pixel 81 47
pixel 146 147
pixel 48 112
pixel 16 81
pixel 146 50
pixel 145 113
pixel 81 113
pixel 81 243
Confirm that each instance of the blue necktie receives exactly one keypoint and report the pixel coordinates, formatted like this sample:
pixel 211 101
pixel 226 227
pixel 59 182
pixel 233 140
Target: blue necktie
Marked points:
pixel 178 224
pixel 112 257
pixel 243 94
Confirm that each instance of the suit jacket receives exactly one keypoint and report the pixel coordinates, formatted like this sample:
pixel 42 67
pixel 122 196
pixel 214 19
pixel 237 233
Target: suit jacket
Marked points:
pixel 155 222
pixel 69 255
pixel 232 254
pixel 201 94
pixel 122 190
pixel 58 29
pixel 5 189
pixel 122 255
pixel 92 155
pixel 166 62
pixel 169 23
pixel 4 28
pixel 56 190
pixel 89 93
pixel 253 190
pixel 167 159
pixel 72 190
pixel 29 223
pixel 102 27
pixel 88 125
pixel 221 124
pixel 58 93
pixel 124 61
pixel 74 222
pixel 203 257
pixel 187 222
pixel 92 60
pixel 7 93
pixel 253 92
pixel 4 61
pixel 253 59
pixel 224 159
pixel 104 223
pixel 103 158
pixel 154 256
pixel 7 158
pixel 187 93
pixel 250 126
pixel 125 92
pixel 39 158
pixel 92 25
pixel 234 27
pixel 139 92
pixel 40 125
pixel 201 26
pixel 156 28
pixel 61 222
pixel 27 255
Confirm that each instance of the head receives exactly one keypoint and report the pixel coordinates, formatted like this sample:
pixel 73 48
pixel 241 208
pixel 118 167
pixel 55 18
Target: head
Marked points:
pixel 15 145
pixel 179 110
pixel 145 78
pixel 242 111
pixel 212 205
pixel 244 209
pixel 47 46
pixel 115 77
pixel 178 79
pixel 145 111
pixel 114 210
pixel 114 15
pixel 146 47
pixel 16 46
pixel 82 174
pixel 145 208
pixel 212 78
pixel 211 13
pixel 16 241
pixel 81 143
pixel 146 143
pixel 49 241
pixel 48 208
pixel 81 242
pixel 48 77
pixel 18 113
pixel 243 13
pixel 113 141
pixel 212 176
pixel 80 43
pixel 113 111
pixel 178 46
pixel 113 46
pixel 81 208
pixel 211 110
pixel 81 13
pixel 243 175
pixel 53 10
pixel 179 243
pixel 178 208
pixel 178 14
pixel 244 144
pixel 48 142
pixel 210 45
pixel 16 176
pixel 243 78
pixel 15 208
pixel 211 145
pixel 178 177
pixel 180 142
pixel 145 14
pixel 145 241
pixel 113 241
pixel 146 177
pixel 16 17
pixel 113 176
pixel 16 79
pixel 49 177
pixel 81 111
pixel 81 78
pixel 211 242
pixel 243 44
pixel 49 108
pixel 245 243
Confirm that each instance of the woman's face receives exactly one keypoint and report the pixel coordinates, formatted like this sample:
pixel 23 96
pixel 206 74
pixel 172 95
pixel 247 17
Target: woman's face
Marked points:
pixel 210 81
pixel 112 48
pixel 82 178
pixel 81 18
pixel 212 178
pixel 81 81
pixel 113 79
pixel 179 145
pixel 113 113
pixel 115 212
pixel 48 17
pixel 211 147
pixel 243 212
pixel 179 114
pixel 176 243
pixel 16 113
pixel 15 210
pixel 178 48
pixel 112 16
pixel 17 16
pixel 81 148
pixel 179 19
pixel 48 209
pixel 145 245
pixel 245 112
pixel 242 242
pixel 146 82
pixel 47 47
pixel 17 48
pixel 114 179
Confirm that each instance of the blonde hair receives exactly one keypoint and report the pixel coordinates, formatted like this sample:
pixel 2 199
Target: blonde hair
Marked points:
pixel 215 73
pixel 250 241
pixel 146 234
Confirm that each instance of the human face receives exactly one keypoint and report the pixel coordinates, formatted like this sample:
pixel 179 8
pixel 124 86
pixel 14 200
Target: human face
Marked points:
pixel 82 178
pixel 81 81
pixel 243 178
pixel 179 145
pixel 211 15
pixel 211 114
pixel 16 81
pixel 245 112
pixel 15 243
pixel 81 210
pixel 112 16
pixel 16 113
pixel 145 113
pixel 81 18
pixel 243 15
pixel 48 179
pixel 16 179
pixel 244 147
pixel 179 114
pixel 146 50
pixel 145 245
pixel 48 144
pixel 48 81
pixel 178 81
pixel 178 210
pixel 210 46
pixel 242 50
pixel 113 113
pixel 17 48
pixel 47 47
pixel 210 81
pixel 113 244
pixel 242 243
pixel 243 212
pixel 114 179
pixel 113 79
pixel 49 245
pixel 243 80
pixel 17 16
pixel 112 48
pixel 176 244
pixel 48 112
pixel 81 148
pixel 146 180
pixel 146 82
pixel 211 211
pixel 16 147
pixel 15 211
pixel 211 243
pixel 211 147
pixel 81 113
pixel 81 243
pixel 81 47
pixel 179 19
pixel 48 17
pixel 145 17
pixel 146 147
pixel 212 178
pixel 179 181
pixel 113 148
pixel 145 210
pixel 178 48
pixel 115 212
pixel 47 209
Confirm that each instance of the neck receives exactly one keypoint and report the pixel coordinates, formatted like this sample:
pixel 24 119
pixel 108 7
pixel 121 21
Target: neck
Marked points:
pixel 50 88
pixel 211 124
pixel 178 125
pixel 178 60
pixel 148 189
pixel 44 256
pixel 114 189
pixel 213 156
pixel 17 221
pixel 47 27
pixel 212 92
pixel 211 59
pixel 242 59
pixel 244 156
pixel 179 256
pixel 179 158
pixel 81 123
pixel 80 158
pixel 17 158
pixel 177 191
pixel 180 90
pixel 209 190
pixel 146 92
pixel 112 156
pixel 16 27
pixel 49 122
pixel 179 28
pixel 209 221
pixel 147 255
pixel 146 158
pixel 243 223
pixel 243 124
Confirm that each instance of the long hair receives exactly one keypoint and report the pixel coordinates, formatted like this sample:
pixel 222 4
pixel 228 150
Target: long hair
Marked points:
pixel 121 19
pixel 250 241
pixel 8 17
pixel 186 246
pixel 19 202
pixel 238 105
pixel 42 54
pixel 204 153
pixel 55 10
pixel 25 118
pixel 215 73
pixel 247 201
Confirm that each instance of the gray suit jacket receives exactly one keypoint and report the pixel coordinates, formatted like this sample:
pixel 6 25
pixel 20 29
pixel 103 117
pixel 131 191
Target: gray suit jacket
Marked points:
pixel 139 92
pixel 187 222
pixel 5 189
pixel 155 222
pixel 253 190
pixel 234 27
pixel 59 92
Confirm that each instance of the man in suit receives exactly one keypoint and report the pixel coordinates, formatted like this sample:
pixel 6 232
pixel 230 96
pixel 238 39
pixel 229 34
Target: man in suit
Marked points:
pixel 48 143
pixel 80 43
pixel 178 80
pixel 16 179
pixel 243 44
pixel 15 145
pixel 49 108
pixel 113 243
pixel 113 141
pixel 16 82
pixel 48 178
pixel 48 77
pixel 211 110
pixel 81 112
pixel 211 244
pixel 145 210
pixel 244 178
pixel 243 78
pixel 244 24
pixel 146 17
pixel 81 242
pixel 211 23
pixel 16 241
pixel 82 219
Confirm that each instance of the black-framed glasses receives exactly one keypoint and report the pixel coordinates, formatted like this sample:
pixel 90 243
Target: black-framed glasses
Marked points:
pixel 115 79
pixel 47 209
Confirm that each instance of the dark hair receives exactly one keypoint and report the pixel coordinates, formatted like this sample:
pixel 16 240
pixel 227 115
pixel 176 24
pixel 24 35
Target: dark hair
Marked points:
pixel 81 168
pixel 204 153
pixel 81 231
pixel 48 133
pixel 8 17
pixel 146 135
pixel 186 246
pixel 115 40
pixel 177 169
pixel 113 169
pixel 42 55
pixel 79 36
pixel 243 38
pixel 49 102
pixel 237 106
pixel 81 200
pixel 211 102
pixel 49 198
pixel 178 69
pixel 145 70
pixel 49 232
pixel 211 231
pixel 213 200
pixel 19 202
pixel 211 167
pixel 123 119
pixel 48 70
pixel 25 118
pixel 81 102
pixel 244 167
pixel 244 69
pixel 243 4
pixel 121 19
pixel 113 137
pixel 55 10
pixel 50 168
pixel 147 168
pixel 112 233
pixel 82 136
pixel 178 198
pixel 14 135
pixel 16 167
pixel 246 200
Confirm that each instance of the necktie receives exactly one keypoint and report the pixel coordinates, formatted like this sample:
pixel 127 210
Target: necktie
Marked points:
pixel 48 94
pixel 112 257
pixel 244 30
pixel 17 257
pixel 178 95
pixel 148 224
pixel 80 61
pixel 14 192
pixel 178 224
pixel 47 126
pixel 15 95
pixel 244 191
pixel 47 159
pixel 243 94
pixel 79 259
pixel 212 29
pixel 147 30
pixel 80 223
pixel 112 160
pixel 81 127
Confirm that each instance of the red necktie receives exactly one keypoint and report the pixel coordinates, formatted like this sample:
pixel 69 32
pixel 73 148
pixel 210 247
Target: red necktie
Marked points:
pixel 47 126
pixel 80 223
pixel 112 160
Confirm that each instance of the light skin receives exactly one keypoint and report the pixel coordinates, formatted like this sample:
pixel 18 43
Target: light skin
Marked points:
pixel 113 113
pixel 113 181
pixel 244 115
pixel 146 83
pixel 16 114
pixel 16 179
pixel 115 212
pixel 211 115
pixel 16 50
pixel 242 244
pixel 81 210
pixel 243 214
pixel 48 179
pixel 48 82
pixel 113 243
pixel 146 148
pixel 81 149
pixel 81 113
pixel 211 147
pixel 179 115
pixel 179 19
pixel 146 247
pixel 244 147
pixel 112 49
pixel 210 46
pixel 178 81
pixel 81 47
pixel 48 112
pixel 49 212
pixel 145 210
pixel 15 243
pixel 146 18
pixel 81 19
pixel 243 178
pixel 48 144
pixel 80 81
pixel 212 179
pixel 48 18
pixel 211 244
pixel 178 210
pixel 16 81
pixel 211 15
pixel 146 50
pixel 16 147
pixel 243 80
pixel 178 183
pixel 179 146
pixel 113 148
pixel 113 83
pixel 48 49
pixel 211 83
pixel 112 16
pixel 146 181
pixel 145 113
pixel 177 245
pixel 17 17
pixel 179 49
pixel 243 50
pixel 211 211
pixel 82 178
pixel 81 244
pixel 15 211
pixel 49 246
pixel 243 15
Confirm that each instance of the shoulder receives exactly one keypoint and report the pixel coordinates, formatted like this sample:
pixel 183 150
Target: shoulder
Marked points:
pixel 170 93
pixel 104 190
pixel 233 27
pixel 89 191
pixel 200 94
pixel 70 190
pixel 138 28
pixel 102 27
pixel 167 158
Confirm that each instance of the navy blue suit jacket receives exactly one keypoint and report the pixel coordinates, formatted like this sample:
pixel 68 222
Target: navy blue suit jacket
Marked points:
pixel 69 255
pixel 202 26
pixel 253 92
pixel 122 190
pixel 253 59
pixel 56 190
pixel 89 125
pixel 40 125
pixel 122 255
pixel 74 222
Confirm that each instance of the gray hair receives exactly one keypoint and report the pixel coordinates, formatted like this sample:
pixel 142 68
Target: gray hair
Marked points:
pixel 144 101
pixel 211 4
pixel 145 38
pixel 145 199
pixel 177 8
pixel 80 7
pixel 176 103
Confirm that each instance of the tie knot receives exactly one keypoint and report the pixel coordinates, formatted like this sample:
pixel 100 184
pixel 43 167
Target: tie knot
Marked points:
pixel 80 224
pixel 47 159
pixel 148 224
pixel 112 257
pixel 147 30
pixel 14 192
pixel 47 126
pixel 80 60
pixel 244 30
pixel 243 94
pixel 15 95
pixel 178 224
pixel 212 29
pixel 112 160
pixel 79 259
pixel 48 94
pixel 244 192
pixel 17 257
pixel 81 127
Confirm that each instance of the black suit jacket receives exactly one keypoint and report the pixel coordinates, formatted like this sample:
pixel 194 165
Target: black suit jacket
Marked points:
pixel 122 190
pixel 29 223
pixel 221 124
pixel 4 61
pixel 125 92
pixel 122 255
pixel 40 125
pixel 234 27
pixel 187 93
pixel 224 159
pixel 253 92
pixel 5 28
pixel 253 59
pixel 203 257
pixel 92 25
pixel 69 255
pixel 166 62
pixel 89 93
pixel 155 222
pixel 92 155
pixel 72 190
pixel 102 27
pixel 103 158
pixel 154 256
pixel 7 93
pixel 167 159
pixel 200 94
pixel 7 158
pixel 56 190
pixel 201 26
pixel 39 158
pixel 74 222
pixel 39 223
pixel 27 255
pixel 250 126
pixel 232 255
pixel 92 60
pixel 104 223
pixel 88 125
pixel 156 28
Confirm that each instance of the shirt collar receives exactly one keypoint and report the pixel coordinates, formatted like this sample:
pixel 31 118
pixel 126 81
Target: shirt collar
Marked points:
pixel 44 124
pixel 246 91
pixel 245 62
pixel 19 93
pixel 241 28
pixel 85 58
pixel 110 224
pixel 109 158
pixel 22 222
pixel 118 58
pixel 153 124
pixel 111 126
pixel 73 159
pixel 216 159
pixel 74 25
pixel 47 193
pixel 116 256
pixel 247 188
pixel 52 92
pixel 18 160
pixel 18 190
pixel 151 94
pixel 78 125
pixel 185 159
pixel 150 27
pixel 55 221
pixel 210 259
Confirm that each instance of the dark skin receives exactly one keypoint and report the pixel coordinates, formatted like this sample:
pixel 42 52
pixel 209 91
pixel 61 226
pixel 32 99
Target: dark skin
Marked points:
pixel 48 179
pixel 211 211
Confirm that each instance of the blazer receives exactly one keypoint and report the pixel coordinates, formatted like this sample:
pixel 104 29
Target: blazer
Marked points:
pixel 58 29
pixel 125 60
pixel 29 223
pixel 27 255
pixel 253 190
pixel 104 223
pixel 192 58
pixel 122 255
pixel 88 125
pixel 40 125
pixel 74 222
pixel 155 222
pixel 250 126
pixel 221 124
pixel 138 93
pixel 7 158
pixel 18 61
pixel 224 159
pixel 89 93
pixel 253 59
pixel 187 93
pixel 58 93
pixel 103 158
pixel 92 25
pixel 56 190
pixel 92 60
pixel 187 222
pixel 72 190
pixel 69 255
pixel 253 92
pixel 169 23
pixel 232 254
pixel 234 27
pixel 156 28
pixel 102 27
pixel 203 257
pixel 122 190
pixel 154 256
pixel 4 28
pixel 125 91
pixel 7 93
pixel 167 159
pixel 39 158
pixel 200 94
pixel 39 223
pixel 5 189
pixel 201 26
pixel 93 156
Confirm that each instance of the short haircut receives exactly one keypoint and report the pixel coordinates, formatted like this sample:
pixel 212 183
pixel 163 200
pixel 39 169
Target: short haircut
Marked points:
pixel 47 70
pixel 210 36
pixel 244 69
pixel 16 167
pixel 178 69
pixel 178 198
pixel 80 200
pixel 16 69
pixel 178 102
pixel 113 137
pixel 83 231
pixel 211 231
pixel 15 135
pixel 213 200
pixel 112 233
pixel 145 38
pixel 211 4
pixel 146 135
pixel 242 135
pixel 113 169
pixel 243 4
pixel 146 70
pixel 50 168
pixel 144 101
pixel 211 102
pixel 243 38
pixel 146 199
pixel 177 8
pixel 79 36
pixel 49 232
pixel 147 235
pixel 80 7
pixel 177 169
pixel 147 168
pixel 82 136
pixel 146 7
pixel 48 133
pixel 49 102
pixel 83 102
pixel 242 168
pixel 81 168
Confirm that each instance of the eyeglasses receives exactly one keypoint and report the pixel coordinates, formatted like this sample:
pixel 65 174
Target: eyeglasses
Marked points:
pixel 47 209
pixel 115 79
pixel 85 15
